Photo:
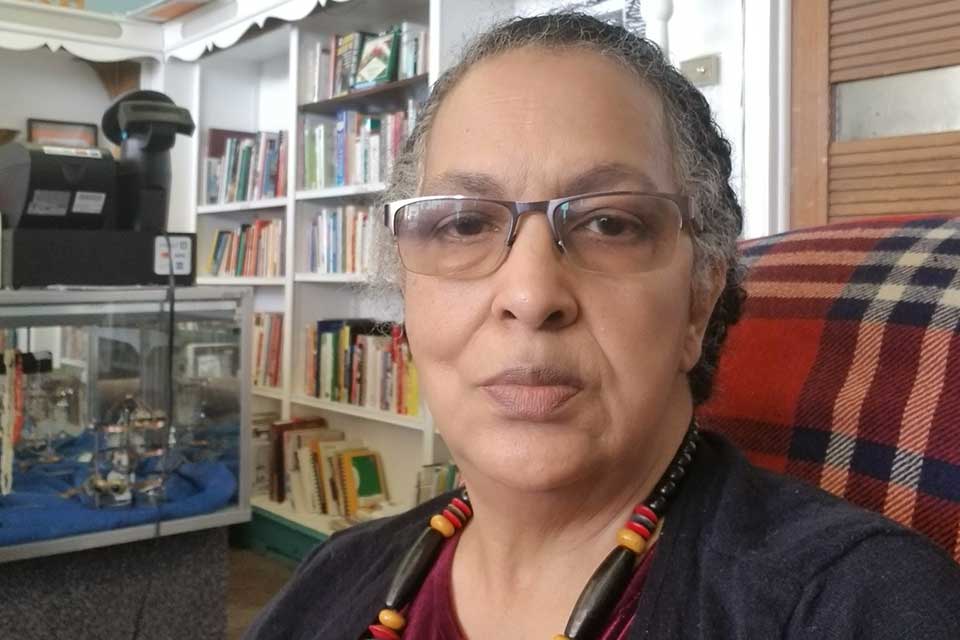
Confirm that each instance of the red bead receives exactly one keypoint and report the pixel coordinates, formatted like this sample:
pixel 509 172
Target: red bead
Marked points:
pixel 381 632
pixel 646 512
pixel 639 528
pixel 454 520
pixel 463 506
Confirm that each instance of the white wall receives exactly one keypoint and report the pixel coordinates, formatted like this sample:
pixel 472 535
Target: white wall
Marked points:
pixel 45 84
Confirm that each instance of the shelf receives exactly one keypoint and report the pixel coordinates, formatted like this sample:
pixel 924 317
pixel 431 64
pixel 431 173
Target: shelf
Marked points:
pixel 384 97
pixel 330 278
pixel 309 523
pixel 245 281
pixel 313 524
pixel 274 393
pixel 410 422
pixel 240 207
pixel 347 191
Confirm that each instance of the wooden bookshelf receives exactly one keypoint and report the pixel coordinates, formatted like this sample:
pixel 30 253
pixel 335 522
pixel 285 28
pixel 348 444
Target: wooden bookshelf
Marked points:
pixel 385 97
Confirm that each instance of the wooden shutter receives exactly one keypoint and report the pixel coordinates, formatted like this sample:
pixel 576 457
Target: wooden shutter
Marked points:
pixel 837 41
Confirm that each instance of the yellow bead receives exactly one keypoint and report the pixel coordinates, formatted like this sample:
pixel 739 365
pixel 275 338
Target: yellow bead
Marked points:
pixel 442 525
pixel 560 637
pixel 392 619
pixel 631 540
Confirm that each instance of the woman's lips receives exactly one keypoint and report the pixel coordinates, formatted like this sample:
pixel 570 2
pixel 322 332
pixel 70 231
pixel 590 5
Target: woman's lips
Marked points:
pixel 530 402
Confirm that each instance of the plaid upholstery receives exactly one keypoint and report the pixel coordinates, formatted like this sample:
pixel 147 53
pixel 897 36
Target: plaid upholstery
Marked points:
pixel 845 369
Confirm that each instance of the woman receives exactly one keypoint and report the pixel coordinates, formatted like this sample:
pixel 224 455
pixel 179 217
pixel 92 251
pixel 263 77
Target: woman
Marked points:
pixel 562 357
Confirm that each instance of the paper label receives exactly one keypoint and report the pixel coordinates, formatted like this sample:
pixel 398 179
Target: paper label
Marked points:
pixel 47 202
pixel 181 256
pixel 89 202
pixel 74 153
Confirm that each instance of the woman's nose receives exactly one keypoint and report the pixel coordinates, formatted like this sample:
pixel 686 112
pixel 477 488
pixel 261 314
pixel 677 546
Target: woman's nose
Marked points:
pixel 534 286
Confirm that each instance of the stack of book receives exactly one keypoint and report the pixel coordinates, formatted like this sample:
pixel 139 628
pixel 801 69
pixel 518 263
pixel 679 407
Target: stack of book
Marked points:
pixel 267 349
pixel 361 362
pixel 315 470
pixel 352 148
pixel 241 166
pixel 254 249
pixel 355 61
pixel 340 240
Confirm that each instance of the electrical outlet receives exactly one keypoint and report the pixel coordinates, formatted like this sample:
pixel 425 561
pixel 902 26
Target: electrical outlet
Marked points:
pixel 703 71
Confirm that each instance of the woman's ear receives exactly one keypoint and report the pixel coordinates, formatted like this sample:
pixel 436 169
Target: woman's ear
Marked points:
pixel 703 299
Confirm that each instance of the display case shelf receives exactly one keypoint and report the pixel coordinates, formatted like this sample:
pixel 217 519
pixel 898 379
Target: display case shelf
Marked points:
pixel 309 523
pixel 101 428
pixel 410 422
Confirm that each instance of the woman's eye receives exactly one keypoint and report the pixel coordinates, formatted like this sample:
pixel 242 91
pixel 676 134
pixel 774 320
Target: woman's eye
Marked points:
pixel 612 225
pixel 467 226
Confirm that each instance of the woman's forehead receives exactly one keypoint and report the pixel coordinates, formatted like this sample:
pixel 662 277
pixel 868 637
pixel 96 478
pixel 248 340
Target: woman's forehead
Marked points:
pixel 537 118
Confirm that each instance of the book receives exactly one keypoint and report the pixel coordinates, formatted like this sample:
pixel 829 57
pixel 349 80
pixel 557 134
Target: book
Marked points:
pixel 378 60
pixel 277 429
pixel 363 481
pixel 349 46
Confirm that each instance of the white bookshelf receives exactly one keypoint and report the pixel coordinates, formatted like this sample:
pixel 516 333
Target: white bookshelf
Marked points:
pixel 330 278
pixel 248 205
pixel 238 281
pixel 272 393
pixel 337 193
pixel 410 422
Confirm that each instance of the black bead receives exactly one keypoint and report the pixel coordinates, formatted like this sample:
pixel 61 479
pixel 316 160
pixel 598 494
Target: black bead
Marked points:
pixel 413 569
pixel 676 472
pixel 643 520
pixel 657 504
pixel 667 488
pixel 685 459
pixel 602 592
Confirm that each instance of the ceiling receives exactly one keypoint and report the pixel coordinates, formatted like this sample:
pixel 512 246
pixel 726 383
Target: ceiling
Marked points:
pixel 149 10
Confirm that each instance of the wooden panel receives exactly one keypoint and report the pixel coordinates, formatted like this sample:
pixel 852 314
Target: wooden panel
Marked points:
pixel 893 55
pixel 895 195
pixel 945 34
pixel 896 17
pixel 918 141
pixel 894 182
pixel 896 169
pixel 891 31
pixel 874 8
pixel 889 69
pixel 950 205
pixel 810 113
pixel 895 156
pixel 837 5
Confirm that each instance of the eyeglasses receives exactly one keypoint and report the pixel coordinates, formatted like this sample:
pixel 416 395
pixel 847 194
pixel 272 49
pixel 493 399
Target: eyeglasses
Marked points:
pixel 618 232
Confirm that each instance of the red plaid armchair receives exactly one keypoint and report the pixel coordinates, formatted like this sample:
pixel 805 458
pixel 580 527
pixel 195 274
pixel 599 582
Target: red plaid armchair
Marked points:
pixel 845 368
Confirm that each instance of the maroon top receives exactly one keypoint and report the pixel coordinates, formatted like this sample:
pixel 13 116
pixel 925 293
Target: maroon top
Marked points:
pixel 431 613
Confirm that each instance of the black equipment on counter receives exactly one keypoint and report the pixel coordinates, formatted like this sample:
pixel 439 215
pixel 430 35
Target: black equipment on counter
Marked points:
pixel 77 217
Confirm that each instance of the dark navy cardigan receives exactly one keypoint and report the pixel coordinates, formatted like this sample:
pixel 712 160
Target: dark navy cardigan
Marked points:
pixel 744 554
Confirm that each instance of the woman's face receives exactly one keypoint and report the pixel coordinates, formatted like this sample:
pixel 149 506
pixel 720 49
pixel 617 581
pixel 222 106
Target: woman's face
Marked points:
pixel 540 374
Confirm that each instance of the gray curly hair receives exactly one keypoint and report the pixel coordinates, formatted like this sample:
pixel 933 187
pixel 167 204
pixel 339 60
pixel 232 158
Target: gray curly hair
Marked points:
pixel 702 161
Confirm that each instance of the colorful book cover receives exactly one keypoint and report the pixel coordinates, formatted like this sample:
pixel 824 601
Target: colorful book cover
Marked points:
pixel 378 60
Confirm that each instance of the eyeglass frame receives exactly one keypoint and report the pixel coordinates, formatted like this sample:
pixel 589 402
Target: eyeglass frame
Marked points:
pixel 546 207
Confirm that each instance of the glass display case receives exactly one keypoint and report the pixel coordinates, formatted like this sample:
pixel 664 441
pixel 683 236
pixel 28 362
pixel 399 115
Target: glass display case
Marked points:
pixel 120 418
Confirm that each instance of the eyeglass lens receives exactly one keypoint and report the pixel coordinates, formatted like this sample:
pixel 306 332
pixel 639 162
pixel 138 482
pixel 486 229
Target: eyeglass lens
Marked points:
pixel 609 233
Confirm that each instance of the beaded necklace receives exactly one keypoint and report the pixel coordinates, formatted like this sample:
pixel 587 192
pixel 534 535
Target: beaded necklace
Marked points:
pixel 603 589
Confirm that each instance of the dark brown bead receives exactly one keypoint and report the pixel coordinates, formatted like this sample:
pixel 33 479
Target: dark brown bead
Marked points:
pixel 457 512
pixel 413 569
pixel 601 594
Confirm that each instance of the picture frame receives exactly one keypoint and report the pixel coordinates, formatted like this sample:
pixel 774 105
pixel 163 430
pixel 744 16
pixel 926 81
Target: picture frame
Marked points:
pixel 62 133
